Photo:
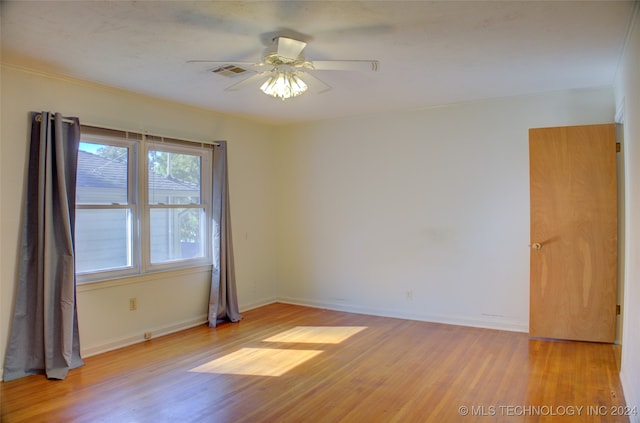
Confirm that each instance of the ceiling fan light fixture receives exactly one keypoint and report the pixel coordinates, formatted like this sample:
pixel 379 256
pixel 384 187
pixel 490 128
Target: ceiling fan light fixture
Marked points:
pixel 284 84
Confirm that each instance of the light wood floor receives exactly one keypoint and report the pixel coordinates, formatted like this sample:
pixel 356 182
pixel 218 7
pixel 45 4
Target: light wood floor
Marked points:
pixel 391 370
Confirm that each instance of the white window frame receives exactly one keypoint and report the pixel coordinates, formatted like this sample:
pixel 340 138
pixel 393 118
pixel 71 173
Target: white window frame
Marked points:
pixel 138 146
pixel 206 160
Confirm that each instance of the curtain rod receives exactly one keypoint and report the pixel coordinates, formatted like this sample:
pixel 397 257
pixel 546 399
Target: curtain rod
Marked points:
pixel 52 117
pixel 217 144
pixel 72 122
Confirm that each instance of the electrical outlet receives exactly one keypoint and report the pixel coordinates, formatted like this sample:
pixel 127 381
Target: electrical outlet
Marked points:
pixel 133 304
pixel 409 294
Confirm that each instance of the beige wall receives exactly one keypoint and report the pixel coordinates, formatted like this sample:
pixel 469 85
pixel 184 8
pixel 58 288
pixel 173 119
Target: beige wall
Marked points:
pixel 165 302
pixel 421 215
pixel 628 109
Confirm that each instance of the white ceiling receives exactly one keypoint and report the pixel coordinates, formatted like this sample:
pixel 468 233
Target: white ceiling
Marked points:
pixel 430 53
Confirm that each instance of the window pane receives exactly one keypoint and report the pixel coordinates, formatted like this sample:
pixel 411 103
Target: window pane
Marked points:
pixel 176 234
pixel 102 174
pixel 174 178
pixel 103 240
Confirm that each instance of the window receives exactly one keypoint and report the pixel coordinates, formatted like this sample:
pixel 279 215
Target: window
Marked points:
pixel 142 204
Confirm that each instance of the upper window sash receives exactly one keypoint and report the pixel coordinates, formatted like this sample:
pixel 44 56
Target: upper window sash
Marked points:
pixel 176 174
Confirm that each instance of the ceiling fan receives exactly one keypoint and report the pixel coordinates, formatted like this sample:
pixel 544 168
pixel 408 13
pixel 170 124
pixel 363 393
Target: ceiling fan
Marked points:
pixel 284 70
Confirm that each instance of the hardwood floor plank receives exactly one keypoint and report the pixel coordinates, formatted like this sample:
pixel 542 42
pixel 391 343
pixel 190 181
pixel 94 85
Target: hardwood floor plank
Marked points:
pixel 394 370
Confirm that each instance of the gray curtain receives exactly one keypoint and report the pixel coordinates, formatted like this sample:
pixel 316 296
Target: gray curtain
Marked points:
pixel 223 299
pixel 44 334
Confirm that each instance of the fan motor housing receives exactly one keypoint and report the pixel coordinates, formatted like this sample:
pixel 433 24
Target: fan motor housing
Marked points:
pixel 272 58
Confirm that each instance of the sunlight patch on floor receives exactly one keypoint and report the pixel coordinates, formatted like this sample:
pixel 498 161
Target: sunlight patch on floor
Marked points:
pixel 257 362
pixel 316 334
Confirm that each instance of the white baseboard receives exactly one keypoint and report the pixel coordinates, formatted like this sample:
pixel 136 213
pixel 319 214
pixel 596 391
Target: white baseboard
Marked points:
pixel 489 323
pixel 261 303
pixel 484 322
pixel 630 397
pixel 114 344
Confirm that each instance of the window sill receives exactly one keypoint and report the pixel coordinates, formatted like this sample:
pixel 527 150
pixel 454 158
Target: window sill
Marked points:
pixel 147 277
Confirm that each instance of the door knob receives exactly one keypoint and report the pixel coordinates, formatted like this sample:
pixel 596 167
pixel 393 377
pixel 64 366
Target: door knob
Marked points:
pixel 536 245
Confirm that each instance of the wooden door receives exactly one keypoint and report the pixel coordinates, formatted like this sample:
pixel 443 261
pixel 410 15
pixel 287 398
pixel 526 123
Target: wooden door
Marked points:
pixel 573 233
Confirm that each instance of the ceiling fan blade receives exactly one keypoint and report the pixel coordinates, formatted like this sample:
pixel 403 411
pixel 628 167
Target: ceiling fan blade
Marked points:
pixel 290 48
pixel 223 62
pixel 346 65
pixel 256 79
pixel 256 67
pixel 315 84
